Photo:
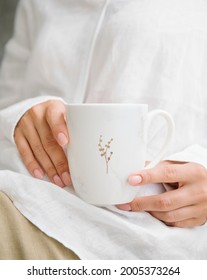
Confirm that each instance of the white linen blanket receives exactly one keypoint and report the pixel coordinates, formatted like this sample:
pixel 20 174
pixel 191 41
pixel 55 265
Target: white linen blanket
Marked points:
pixel 94 232
pixel 146 51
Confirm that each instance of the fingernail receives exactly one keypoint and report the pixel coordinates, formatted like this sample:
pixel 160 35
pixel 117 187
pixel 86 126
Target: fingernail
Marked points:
pixel 125 207
pixel 38 174
pixel 135 180
pixel 58 181
pixel 66 179
pixel 62 139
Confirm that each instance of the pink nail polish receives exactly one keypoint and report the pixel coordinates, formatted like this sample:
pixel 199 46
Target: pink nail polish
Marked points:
pixel 135 180
pixel 62 139
pixel 66 179
pixel 38 174
pixel 125 207
pixel 58 181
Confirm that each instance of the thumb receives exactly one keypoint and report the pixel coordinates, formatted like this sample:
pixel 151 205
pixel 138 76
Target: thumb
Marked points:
pixel 56 118
pixel 164 172
pixel 148 176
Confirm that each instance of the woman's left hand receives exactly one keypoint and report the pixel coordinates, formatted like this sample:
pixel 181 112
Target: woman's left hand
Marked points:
pixel 185 205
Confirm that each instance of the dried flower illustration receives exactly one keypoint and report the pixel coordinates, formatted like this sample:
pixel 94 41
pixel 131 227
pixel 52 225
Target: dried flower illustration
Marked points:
pixel 105 151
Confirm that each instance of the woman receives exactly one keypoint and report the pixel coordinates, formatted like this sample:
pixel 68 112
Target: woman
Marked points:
pixel 112 51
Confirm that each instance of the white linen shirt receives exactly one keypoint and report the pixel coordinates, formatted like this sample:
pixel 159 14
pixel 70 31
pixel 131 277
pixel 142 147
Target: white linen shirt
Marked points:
pixel 146 51
pixel 152 52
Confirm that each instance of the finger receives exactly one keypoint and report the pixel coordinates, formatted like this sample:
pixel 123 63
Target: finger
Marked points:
pixel 177 215
pixel 189 223
pixel 27 156
pixel 167 201
pixel 56 153
pixel 169 173
pixel 125 207
pixel 42 157
pixel 56 118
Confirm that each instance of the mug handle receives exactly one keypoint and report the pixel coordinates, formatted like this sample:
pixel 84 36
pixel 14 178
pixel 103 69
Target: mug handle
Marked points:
pixel 169 137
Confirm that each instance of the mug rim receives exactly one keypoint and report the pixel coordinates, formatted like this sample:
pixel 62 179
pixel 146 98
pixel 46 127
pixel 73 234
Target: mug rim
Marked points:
pixel 107 104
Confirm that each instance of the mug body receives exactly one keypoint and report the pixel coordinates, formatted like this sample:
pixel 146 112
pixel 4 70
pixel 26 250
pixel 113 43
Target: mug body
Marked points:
pixel 107 144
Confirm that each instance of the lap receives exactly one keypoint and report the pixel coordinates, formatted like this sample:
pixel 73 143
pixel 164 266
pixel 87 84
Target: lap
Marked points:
pixel 21 240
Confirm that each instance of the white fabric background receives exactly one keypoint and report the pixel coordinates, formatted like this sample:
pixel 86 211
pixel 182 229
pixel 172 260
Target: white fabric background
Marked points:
pixel 147 51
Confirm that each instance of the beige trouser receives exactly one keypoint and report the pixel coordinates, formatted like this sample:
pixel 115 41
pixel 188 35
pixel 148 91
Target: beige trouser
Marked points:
pixel 21 240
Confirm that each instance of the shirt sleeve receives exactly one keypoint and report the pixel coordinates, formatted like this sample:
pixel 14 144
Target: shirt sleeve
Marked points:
pixel 195 153
pixel 13 102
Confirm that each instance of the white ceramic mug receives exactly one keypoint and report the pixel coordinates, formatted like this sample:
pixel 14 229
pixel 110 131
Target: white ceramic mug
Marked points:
pixel 108 143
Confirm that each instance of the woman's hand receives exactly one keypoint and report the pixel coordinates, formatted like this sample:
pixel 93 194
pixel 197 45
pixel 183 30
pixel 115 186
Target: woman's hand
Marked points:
pixel 40 136
pixel 185 205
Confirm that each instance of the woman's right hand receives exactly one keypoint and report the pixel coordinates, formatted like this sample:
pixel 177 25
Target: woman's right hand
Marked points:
pixel 41 136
